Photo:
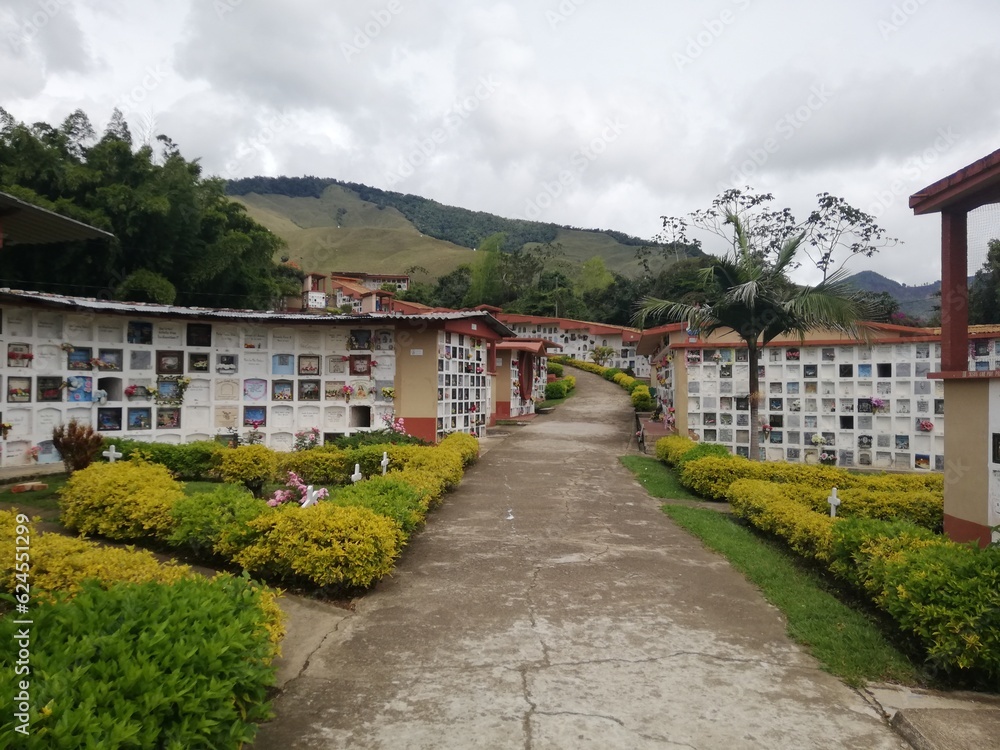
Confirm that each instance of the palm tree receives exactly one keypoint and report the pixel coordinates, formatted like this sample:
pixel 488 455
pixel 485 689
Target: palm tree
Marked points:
pixel 754 298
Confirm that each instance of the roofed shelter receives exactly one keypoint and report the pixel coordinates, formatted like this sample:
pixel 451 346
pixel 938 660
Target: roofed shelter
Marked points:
pixel 972 454
pixel 23 223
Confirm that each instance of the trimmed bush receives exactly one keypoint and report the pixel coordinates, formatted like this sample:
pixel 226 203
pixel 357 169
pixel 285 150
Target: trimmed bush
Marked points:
pixel 429 485
pixel 555 389
pixel 123 500
pixel 325 545
pixel 555 368
pixel 570 381
pixel 250 465
pixel 700 451
pixel 215 522
pixel 861 546
pixel 641 399
pixel 922 508
pixel 466 445
pixel 321 466
pixel 770 508
pixel 61 563
pixel 711 478
pixel 183 665
pixel 388 496
pixel 191 461
pixel 670 449
pixel 608 373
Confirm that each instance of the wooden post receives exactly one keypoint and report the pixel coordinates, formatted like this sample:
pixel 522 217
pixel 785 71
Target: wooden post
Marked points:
pixel 954 291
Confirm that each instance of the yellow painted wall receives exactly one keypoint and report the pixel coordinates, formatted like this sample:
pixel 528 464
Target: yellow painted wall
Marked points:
pixel 416 374
pixel 966 469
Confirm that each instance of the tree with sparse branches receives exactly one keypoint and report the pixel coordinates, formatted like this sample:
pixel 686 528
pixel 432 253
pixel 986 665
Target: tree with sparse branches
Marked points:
pixel 748 292
pixel 832 228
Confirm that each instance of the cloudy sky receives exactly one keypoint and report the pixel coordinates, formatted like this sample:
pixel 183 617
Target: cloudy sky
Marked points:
pixel 584 112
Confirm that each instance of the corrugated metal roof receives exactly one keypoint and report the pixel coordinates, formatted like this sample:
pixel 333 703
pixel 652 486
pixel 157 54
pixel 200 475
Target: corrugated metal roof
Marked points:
pixel 147 308
pixel 24 223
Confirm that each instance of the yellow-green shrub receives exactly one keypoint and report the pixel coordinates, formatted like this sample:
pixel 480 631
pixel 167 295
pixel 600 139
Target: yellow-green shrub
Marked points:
pixel 466 445
pixel 642 400
pixel 711 477
pixel 570 381
pixel 325 544
pixel 441 461
pixel 61 563
pixel 250 465
pixel 922 508
pixel 321 466
pixel 123 500
pixel 388 496
pixel 430 485
pixel 672 448
pixel 770 508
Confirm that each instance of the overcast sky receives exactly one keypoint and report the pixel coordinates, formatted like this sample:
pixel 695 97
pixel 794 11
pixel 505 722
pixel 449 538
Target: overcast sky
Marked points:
pixel 584 112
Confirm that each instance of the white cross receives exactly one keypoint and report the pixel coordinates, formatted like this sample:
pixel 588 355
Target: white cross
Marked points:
pixel 384 462
pixel 356 476
pixel 112 454
pixel 312 497
pixel 834 502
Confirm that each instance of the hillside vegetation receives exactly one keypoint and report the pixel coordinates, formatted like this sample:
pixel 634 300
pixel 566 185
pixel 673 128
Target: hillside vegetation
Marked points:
pixel 329 224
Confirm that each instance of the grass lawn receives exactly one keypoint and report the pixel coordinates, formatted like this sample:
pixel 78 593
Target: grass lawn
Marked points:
pixel 846 641
pixel 44 502
pixel 658 479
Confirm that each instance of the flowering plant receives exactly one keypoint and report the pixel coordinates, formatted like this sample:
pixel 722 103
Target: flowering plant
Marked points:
pixel 388 393
pixel 878 404
pixel 296 492
pixel 766 428
pixel 818 439
pixel 393 424
pixel 5 427
pixel 66 346
pixel 34 451
pixel 306 439
pixel 925 425
pixel 346 391
pixel 717 357
pixel 20 355
pixel 827 458
pixel 136 390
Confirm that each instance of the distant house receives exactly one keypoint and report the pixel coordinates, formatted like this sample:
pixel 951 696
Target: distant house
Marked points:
pixel 346 290
pixel 400 281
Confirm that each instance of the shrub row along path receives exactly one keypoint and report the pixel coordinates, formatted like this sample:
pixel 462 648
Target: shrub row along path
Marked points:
pixel 551 604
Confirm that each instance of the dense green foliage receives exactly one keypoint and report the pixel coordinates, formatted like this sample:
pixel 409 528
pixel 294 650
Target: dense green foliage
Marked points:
pixel 984 294
pixel 144 665
pixel 177 237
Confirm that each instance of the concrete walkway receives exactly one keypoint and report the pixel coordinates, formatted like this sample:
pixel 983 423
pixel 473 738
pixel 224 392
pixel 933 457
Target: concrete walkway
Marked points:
pixel 551 604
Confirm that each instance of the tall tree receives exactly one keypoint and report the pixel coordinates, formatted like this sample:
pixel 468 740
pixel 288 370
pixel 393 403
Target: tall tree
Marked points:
pixel 168 220
pixel 750 294
pixel 984 294
pixel 832 230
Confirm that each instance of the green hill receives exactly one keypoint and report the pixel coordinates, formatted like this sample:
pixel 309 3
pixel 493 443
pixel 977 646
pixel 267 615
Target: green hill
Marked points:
pixel 333 225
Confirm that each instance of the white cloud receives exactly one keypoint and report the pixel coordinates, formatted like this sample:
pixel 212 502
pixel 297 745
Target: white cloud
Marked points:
pixel 365 91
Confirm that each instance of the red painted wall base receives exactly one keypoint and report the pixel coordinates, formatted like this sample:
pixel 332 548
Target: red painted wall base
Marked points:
pixel 503 410
pixel 960 530
pixel 424 428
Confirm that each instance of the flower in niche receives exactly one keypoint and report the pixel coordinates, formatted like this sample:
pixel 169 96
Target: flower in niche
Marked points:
pixel 925 425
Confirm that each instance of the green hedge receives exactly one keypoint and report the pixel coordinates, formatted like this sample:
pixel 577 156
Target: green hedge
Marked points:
pixel 190 461
pixel 555 368
pixel 943 595
pixel 183 665
pixel 555 390
pixel 711 477
pixel 612 374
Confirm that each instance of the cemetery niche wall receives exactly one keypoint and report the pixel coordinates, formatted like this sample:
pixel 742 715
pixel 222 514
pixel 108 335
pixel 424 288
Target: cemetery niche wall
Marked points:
pixel 172 375
pixel 826 399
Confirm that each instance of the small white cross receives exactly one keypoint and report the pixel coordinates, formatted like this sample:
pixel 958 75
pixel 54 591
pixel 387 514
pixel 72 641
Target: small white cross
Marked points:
pixel 112 454
pixel 312 497
pixel 356 476
pixel 834 502
pixel 384 462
